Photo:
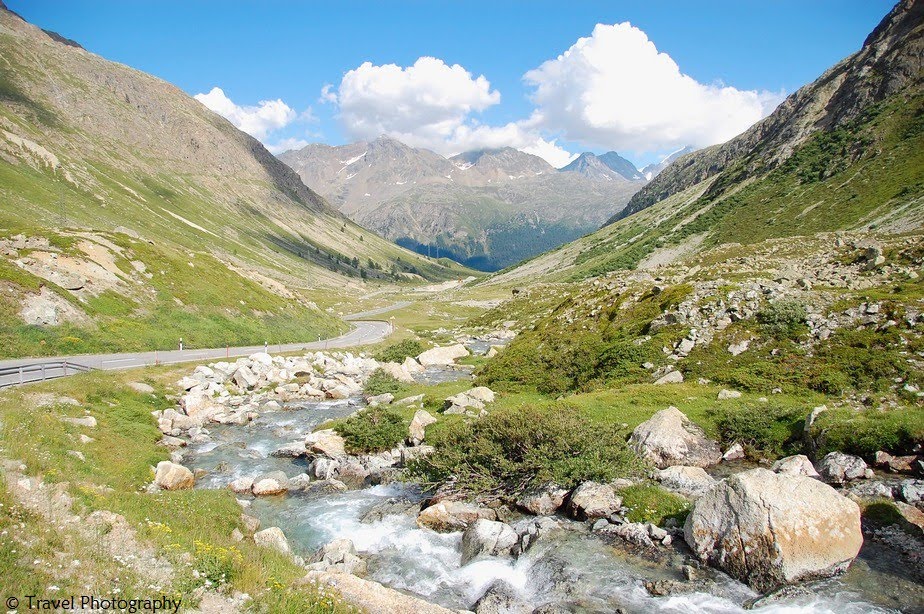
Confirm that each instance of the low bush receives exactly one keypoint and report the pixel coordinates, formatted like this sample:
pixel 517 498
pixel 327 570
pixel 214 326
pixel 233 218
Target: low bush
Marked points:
pixel 397 352
pixel 505 452
pixel 374 429
pixel 380 382
pixel 568 352
pixel 764 429
pixel 783 319
pixel 896 431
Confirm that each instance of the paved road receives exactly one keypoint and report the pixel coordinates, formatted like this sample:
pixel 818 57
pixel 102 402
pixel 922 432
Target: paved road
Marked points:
pixel 362 315
pixel 363 333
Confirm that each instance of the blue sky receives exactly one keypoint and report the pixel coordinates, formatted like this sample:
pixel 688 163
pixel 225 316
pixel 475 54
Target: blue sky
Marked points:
pixel 729 64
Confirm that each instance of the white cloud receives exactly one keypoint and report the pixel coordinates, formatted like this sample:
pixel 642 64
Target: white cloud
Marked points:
pixel 429 99
pixel 429 104
pixel 611 90
pixel 257 121
pixel 285 145
pixel 614 89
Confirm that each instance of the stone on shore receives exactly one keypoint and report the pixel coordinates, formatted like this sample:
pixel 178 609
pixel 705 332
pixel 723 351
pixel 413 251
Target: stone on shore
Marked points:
pixel 273 538
pixel 326 442
pixel 770 529
pixel 442 356
pixel 171 476
pixel 593 500
pixel 487 538
pixel 796 465
pixel 447 516
pixel 837 468
pixel 543 500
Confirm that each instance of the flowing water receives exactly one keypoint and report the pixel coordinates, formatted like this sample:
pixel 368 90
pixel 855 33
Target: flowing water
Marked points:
pixel 568 567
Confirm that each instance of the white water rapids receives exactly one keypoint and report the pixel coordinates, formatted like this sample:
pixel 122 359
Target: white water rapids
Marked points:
pixel 570 568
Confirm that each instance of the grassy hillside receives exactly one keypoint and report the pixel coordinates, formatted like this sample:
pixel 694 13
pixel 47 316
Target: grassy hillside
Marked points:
pixel 813 323
pixel 131 215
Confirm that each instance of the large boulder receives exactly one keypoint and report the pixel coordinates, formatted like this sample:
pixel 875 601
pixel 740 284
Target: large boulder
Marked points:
pixel 273 538
pixel 487 538
pixel 170 476
pixel 273 483
pixel 543 500
pixel 245 378
pixel 367 596
pixel 419 423
pixel 795 465
pixel 593 500
pixel 688 481
pixel 326 442
pixel 502 598
pixel 837 468
pixel 442 356
pixel 669 438
pixel 448 516
pixel 412 366
pixel 770 529
pixel 397 371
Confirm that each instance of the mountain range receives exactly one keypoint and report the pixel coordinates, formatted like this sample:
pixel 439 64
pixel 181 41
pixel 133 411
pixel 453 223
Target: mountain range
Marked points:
pixel 845 152
pixel 487 209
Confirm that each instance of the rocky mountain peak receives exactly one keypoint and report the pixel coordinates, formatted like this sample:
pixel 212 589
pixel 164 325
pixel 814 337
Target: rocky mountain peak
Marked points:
pixel 609 166
pixel 505 160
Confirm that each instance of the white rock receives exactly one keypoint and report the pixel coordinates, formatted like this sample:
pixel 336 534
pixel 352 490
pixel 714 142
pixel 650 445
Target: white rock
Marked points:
pixel 171 476
pixel 442 355
pixel 737 348
pixel 795 465
pixel 670 438
pixel 419 423
pixel 734 452
pixel 141 388
pixel 837 468
pixel 688 481
pixel 274 538
pixel 593 500
pixel 487 538
pixel 326 442
pixel 543 500
pixel 769 529
pixel 673 377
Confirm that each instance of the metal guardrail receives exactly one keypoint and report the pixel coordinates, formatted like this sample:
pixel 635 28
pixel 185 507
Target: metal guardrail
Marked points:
pixel 39 372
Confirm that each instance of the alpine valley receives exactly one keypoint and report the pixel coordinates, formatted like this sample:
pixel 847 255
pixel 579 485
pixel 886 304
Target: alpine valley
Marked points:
pixel 371 378
pixel 487 209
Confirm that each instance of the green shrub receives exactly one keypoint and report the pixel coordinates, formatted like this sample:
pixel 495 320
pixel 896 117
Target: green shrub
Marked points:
pixel 764 429
pixel 509 450
pixel 870 359
pixel 783 319
pixel 566 354
pixel 397 352
pixel 374 429
pixel 653 503
pixel 380 382
pixel 896 431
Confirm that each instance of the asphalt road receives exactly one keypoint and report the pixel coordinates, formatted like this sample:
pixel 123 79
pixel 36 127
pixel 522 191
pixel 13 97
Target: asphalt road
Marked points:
pixel 363 333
